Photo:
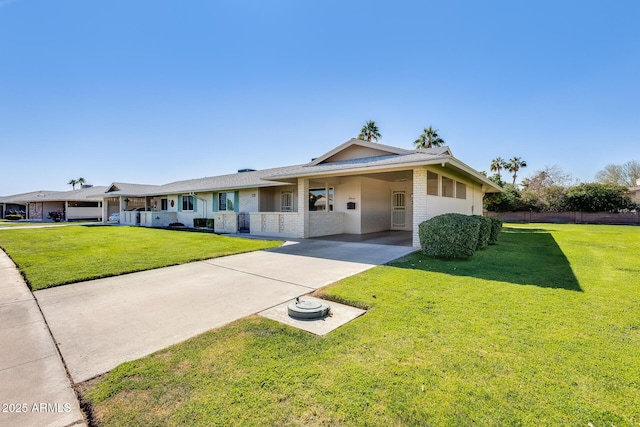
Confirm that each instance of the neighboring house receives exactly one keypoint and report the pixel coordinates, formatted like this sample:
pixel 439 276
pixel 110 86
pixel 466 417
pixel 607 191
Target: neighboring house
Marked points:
pixel 82 204
pixel 634 192
pixel 17 203
pixel 368 187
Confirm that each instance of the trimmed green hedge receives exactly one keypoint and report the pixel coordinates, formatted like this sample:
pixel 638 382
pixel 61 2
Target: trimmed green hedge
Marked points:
pixel 13 217
pixel 485 231
pixel 496 229
pixel 450 236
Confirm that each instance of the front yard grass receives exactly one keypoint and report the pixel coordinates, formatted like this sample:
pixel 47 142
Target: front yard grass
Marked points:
pixel 542 329
pixel 54 256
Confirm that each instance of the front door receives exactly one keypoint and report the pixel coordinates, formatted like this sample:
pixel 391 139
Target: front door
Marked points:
pixel 398 210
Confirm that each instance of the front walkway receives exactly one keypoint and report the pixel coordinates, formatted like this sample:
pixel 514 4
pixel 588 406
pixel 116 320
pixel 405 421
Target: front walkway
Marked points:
pixel 34 387
pixel 102 323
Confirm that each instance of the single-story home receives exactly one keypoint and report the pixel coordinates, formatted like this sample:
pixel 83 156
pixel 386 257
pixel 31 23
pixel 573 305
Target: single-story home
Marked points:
pixel 81 204
pixel 358 187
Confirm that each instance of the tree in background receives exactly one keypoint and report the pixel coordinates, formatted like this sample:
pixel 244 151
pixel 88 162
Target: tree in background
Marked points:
pixel 626 174
pixel 429 138
pixel 514 165
pixel 81 181
pixel 370 131
pixel 545 190
pixel 497 165
pixel 73 182
pixel 598 197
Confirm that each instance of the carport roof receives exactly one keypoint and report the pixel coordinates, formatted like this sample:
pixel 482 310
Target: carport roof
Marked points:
pixel 90 193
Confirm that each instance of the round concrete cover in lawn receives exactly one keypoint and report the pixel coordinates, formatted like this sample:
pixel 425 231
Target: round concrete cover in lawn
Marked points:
pixel 308 309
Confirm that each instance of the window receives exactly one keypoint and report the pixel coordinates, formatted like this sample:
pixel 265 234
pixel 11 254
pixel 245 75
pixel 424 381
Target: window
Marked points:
pixel 432 183
pixel 318 199
pixel 226 201
pixel 286 201
pixel 461 190
pixel 447 187
pixel 187 203
pixel 84 204
pixel 163 204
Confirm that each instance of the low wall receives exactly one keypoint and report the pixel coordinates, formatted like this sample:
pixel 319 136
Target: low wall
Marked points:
pixel 285 224
pixel 627 218
pixel 325 223
pixel 225 222
pixel 157 219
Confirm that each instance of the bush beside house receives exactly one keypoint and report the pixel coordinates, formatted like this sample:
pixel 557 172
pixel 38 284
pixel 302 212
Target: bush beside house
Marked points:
pixel 458 236
pixel 496 228
pixel 449 236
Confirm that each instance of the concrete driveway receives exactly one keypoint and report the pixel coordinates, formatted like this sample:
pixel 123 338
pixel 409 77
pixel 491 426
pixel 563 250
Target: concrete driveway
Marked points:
pixel 102 323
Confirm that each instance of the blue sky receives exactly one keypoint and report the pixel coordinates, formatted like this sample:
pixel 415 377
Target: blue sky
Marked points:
pixel 157 91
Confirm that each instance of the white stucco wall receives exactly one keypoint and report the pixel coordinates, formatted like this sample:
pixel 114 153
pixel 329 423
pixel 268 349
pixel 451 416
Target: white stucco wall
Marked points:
pixel 83 213
pixel 349 191
pixel 376 205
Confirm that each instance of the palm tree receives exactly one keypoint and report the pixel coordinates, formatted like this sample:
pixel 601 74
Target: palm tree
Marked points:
pixel 497 165
pixel 514 166
pixel 429 138
pixel 81 181
pixel 73 182
pixel 370 131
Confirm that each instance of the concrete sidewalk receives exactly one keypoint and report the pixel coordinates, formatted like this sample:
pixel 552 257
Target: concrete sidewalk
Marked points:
pixel 34 387
pixel 102 323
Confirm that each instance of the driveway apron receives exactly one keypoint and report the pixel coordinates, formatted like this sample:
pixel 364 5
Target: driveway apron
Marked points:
pixel 102 323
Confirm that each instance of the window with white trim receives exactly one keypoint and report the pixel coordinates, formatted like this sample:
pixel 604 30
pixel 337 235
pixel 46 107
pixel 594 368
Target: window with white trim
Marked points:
pixel 226 201
pixel 187 203
pixel 447 187
pixel 432 183
pixel 461 190
pixel 286 201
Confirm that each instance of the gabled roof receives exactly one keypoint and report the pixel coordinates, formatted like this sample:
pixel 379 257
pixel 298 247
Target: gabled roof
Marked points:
pixel 354 156
pixel 126 189
pixel 388 161
pixel 357 149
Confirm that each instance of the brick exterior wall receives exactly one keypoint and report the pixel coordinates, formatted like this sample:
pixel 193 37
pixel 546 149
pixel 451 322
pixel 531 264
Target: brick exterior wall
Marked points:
pixel 419 202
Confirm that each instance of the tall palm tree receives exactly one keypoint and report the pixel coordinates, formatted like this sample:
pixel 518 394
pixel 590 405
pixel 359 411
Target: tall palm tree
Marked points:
pixel 429 138
pixel 81 181
pixel 514 166
pixel 497 165
pixel 370 131
pixel 73 182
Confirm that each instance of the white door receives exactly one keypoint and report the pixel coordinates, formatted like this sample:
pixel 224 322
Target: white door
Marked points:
pixel 398 210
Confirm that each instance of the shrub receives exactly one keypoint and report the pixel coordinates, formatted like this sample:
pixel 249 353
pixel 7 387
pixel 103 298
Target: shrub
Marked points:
pixel 57 216
pixel 595 197
pixel 13 217
pixel 485 231
pixel 209 223
pixel 199 222
pixel 449 236
pixel 496 229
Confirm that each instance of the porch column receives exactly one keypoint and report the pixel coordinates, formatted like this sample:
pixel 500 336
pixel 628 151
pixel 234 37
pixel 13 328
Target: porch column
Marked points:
pixel 303 207
pixel 419 201
pixel 105 210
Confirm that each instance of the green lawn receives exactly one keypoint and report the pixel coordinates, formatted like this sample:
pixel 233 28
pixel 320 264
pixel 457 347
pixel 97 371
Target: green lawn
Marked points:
pixel 59 255
pixel 542 329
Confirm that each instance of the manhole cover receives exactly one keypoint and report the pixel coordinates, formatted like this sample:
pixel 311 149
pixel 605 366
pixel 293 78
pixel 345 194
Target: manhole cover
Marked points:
pixel 308 309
